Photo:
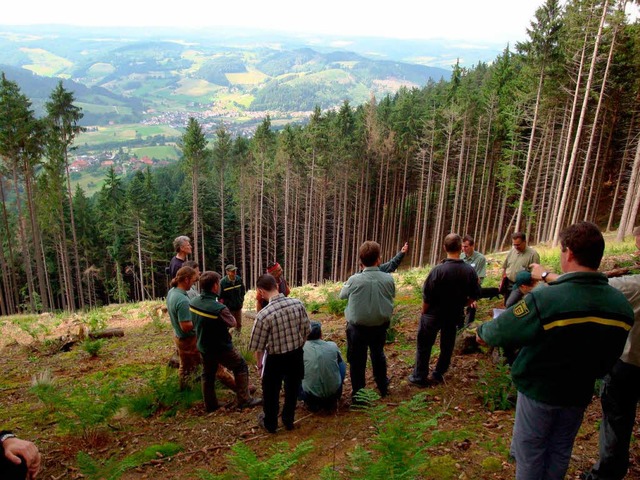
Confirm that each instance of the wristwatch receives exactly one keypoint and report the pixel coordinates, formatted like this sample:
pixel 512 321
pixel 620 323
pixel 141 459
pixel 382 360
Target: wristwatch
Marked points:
pixel 5 436
pixel 544 276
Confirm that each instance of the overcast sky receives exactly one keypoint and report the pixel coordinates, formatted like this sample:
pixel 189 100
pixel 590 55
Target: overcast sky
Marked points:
pixel 496 21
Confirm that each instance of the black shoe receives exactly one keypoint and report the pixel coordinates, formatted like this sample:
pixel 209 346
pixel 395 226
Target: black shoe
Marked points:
pixel 435 379
pixel 252 402
pixel 418 382
pixel 262 425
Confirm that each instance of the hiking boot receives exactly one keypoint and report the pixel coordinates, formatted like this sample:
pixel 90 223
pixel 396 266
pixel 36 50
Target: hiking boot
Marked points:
pixel 262 425
pixel 418 382
pixel 252 402
pixel 435 379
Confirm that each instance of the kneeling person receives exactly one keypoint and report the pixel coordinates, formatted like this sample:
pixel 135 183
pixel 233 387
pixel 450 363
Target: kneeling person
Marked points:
pixel 212 322
pixel 324 371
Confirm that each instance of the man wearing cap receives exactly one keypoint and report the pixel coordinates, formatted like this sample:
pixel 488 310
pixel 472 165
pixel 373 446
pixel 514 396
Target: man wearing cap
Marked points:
pixel 275 270
pixel 232 292
pixel 524 284
pixel 570 333
pixel 324 372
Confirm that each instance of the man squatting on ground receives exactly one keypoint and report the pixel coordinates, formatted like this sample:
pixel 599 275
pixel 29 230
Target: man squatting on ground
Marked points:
pixel 570 334
pixel 324 372
pixel 370 297
pixel 450 287
pixel 212 321
pixel 280 330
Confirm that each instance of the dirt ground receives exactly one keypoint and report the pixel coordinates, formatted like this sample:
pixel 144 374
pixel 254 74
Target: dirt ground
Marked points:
pixel 206 438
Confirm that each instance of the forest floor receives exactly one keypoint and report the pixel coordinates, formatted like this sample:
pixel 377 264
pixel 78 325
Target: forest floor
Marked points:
pixel 464 438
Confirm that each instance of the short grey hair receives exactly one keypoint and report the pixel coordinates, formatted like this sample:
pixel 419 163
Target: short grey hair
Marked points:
pixel 179 241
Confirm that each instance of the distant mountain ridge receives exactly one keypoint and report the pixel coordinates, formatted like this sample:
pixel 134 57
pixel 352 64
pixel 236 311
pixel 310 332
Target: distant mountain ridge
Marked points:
pixel 123 78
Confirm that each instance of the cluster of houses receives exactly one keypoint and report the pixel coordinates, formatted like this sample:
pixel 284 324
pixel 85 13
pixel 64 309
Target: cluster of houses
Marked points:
pixel 107 160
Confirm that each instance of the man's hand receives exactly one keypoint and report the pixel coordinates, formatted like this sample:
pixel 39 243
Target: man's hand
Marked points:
pixel 405 247
pixel 15 448
pixel 480 340
pixel 536 271
pixel 474 304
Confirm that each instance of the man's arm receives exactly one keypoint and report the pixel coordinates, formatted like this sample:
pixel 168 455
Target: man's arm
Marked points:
pixel 537 270
pixel 516 327
pixel 344 293
pixel 425 307
pixel 227 318
pixel 393 264
pixel 184 317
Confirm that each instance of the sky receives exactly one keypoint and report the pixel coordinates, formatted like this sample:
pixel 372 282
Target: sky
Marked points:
pixel 483 21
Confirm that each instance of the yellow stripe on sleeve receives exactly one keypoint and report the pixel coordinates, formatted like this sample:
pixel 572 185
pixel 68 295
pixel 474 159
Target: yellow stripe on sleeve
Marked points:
pixel 576 321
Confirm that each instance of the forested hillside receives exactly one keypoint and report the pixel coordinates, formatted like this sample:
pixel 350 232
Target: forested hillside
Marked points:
pixel 544 136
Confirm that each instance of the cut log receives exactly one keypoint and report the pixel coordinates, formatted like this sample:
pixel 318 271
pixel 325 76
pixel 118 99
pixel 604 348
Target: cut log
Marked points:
pixel 107 333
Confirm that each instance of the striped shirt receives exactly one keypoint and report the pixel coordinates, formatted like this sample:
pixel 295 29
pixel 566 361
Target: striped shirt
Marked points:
pixel 280 327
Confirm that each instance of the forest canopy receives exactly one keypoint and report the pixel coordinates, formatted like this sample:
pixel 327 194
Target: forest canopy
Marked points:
pixel 544 136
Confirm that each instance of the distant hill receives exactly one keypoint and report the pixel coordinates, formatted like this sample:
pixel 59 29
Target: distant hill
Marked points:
pixel 129 76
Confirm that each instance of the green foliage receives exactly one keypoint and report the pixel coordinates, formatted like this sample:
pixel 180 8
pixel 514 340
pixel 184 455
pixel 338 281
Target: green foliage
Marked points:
pixel 113 468
pixel 244 463
pixel 496 388
pixel 442 468
pixel 162 393
pixel 336 305
pixel 93 347
pixel 31 326
pixel 81 410
pixel 96 319
pixel 492 464
pixel 399 446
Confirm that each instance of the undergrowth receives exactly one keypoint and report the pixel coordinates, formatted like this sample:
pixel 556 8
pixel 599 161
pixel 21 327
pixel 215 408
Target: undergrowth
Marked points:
pixel 496 388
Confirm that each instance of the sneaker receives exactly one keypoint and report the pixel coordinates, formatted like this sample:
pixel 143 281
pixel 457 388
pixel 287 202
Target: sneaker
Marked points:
pixel 418 382
pixel 252 402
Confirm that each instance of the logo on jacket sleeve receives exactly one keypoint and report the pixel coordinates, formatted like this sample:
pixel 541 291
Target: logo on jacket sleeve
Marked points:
pixel 520 309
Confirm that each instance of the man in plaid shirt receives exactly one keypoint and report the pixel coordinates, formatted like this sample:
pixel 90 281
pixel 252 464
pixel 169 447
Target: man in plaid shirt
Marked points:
pixel 280 330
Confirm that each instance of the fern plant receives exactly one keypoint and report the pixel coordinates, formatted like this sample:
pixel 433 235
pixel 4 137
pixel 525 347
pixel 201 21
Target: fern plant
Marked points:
pixel 244 463
pixel 496 388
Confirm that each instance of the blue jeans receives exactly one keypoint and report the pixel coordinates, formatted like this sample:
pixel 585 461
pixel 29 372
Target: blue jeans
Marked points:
pixel 543 438
pixel 620 394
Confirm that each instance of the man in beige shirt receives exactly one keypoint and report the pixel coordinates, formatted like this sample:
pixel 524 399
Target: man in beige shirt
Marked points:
pixel 518 259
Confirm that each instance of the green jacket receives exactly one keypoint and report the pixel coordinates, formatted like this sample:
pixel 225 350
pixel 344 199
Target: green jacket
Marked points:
pixel 370 295
pixel 571 333
pixel 232 292
pixel 212 331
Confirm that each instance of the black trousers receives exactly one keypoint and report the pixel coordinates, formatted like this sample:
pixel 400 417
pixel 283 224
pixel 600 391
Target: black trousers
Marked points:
pixel 11 471
pixel 359 340
pixel 428 330
pixel 278 368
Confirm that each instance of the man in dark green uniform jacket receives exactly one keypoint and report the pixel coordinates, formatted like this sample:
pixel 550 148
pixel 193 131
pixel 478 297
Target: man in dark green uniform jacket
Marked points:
pixel 570 334
pixel 232 292
pixel 212 321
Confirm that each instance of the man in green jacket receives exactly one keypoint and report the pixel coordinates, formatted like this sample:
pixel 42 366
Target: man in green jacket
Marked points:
pixel 212 321
pixel 232 292
pixel 368 314
pixel 570 334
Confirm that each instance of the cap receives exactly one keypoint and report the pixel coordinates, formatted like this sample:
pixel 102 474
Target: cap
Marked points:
pixel 522 278
pixel 316 330
pixel 230 268
pixel 272 268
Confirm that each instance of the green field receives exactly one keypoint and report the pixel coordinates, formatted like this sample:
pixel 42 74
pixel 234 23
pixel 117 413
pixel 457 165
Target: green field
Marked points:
pixel 160 152
pixel 114 133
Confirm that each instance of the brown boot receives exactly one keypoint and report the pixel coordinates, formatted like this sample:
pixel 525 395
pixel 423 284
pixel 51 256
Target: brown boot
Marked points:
pixel 226 378
pixel 244 399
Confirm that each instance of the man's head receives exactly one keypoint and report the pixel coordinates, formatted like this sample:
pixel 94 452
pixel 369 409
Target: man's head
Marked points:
pixel 468 245
pixel 316 331
pixel 524 281
pixel 581 244
pixel 369 253
pixel 210 282
pixel 275 270
pixel 266 285
pixel 185 278
pixel 452 243
pixel 636 233
pixel 195 265
pixel 182 244
pixel 519 241
pixel 231 271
